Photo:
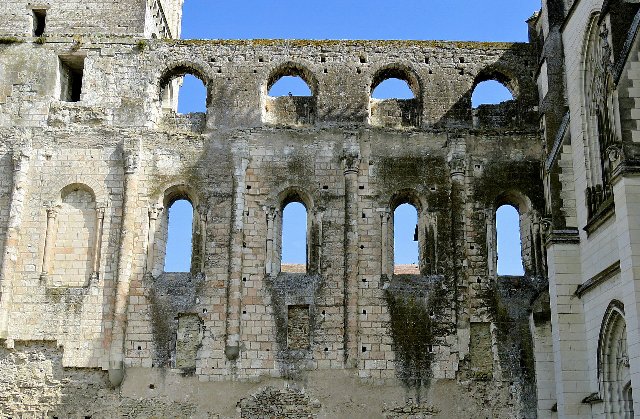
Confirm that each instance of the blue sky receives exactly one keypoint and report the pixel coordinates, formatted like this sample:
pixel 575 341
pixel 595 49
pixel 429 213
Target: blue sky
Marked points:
pixel 468 20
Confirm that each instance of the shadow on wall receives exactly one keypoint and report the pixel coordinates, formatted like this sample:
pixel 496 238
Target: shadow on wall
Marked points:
pixel 514 72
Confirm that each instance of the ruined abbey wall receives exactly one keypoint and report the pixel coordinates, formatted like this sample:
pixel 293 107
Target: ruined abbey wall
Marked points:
pixel 86 185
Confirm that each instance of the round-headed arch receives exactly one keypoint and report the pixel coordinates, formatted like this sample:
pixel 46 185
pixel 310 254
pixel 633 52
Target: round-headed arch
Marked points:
pixel 183 68
pixel 292 69
pixel 294 194
pixel 502 76
pixel 95 189
pixel 75 187
pixel 398 71
pixel 407 196
pixel 515 198
pixel 176 192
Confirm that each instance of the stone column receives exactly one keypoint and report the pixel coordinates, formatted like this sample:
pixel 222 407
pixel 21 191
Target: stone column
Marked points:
pixel 351 164
pixel 125 262
pixel 154 211
pixel 318 242
pixel 535 242
pixel 234 294
pixel 21 165
pixel 203 238
pixel 384 256
pixel 492 243
pixel 49 240
pixel 97 244
pixel 268 263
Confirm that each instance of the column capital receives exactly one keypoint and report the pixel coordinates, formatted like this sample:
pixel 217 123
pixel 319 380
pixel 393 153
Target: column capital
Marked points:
pixel 131 162
pixel 52 211
pixel 351 164
pixel 154 211
pixel 20 159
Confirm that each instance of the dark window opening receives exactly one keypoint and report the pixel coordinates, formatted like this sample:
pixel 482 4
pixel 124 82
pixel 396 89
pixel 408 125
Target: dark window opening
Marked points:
pixel 39 21
pixel 71 74
pixel 405 240
pixel 179 237
pixel 509 243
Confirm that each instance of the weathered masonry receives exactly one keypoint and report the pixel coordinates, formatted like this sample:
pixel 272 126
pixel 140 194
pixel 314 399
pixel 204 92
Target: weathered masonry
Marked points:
pixel 93 154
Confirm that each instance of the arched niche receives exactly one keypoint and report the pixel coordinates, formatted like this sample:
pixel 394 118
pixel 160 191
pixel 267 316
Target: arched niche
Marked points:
pixel 73 238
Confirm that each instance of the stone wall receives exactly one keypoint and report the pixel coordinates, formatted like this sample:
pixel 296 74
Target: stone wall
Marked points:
pixel 88 185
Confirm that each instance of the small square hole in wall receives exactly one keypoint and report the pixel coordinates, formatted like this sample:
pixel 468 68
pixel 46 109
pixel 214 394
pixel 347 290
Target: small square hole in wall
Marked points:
pixel 359 71
pixel 426 60
pixel 323 59
pixel 39 21
pixel 70 74
pixel 462 59
pixel 363 60
pixel 261 60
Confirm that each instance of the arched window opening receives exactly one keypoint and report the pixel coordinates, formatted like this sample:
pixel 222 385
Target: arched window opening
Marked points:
pixel 405 240
pixel 613 365
pixel 192 96
pixel 393 88
pixel 509 243
pixel 493 105
pixel 179 245
pixel 290 96
pixel 290 86
pixel 294 238
pixel 184 98
pixel 395 100
pixel 490 92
